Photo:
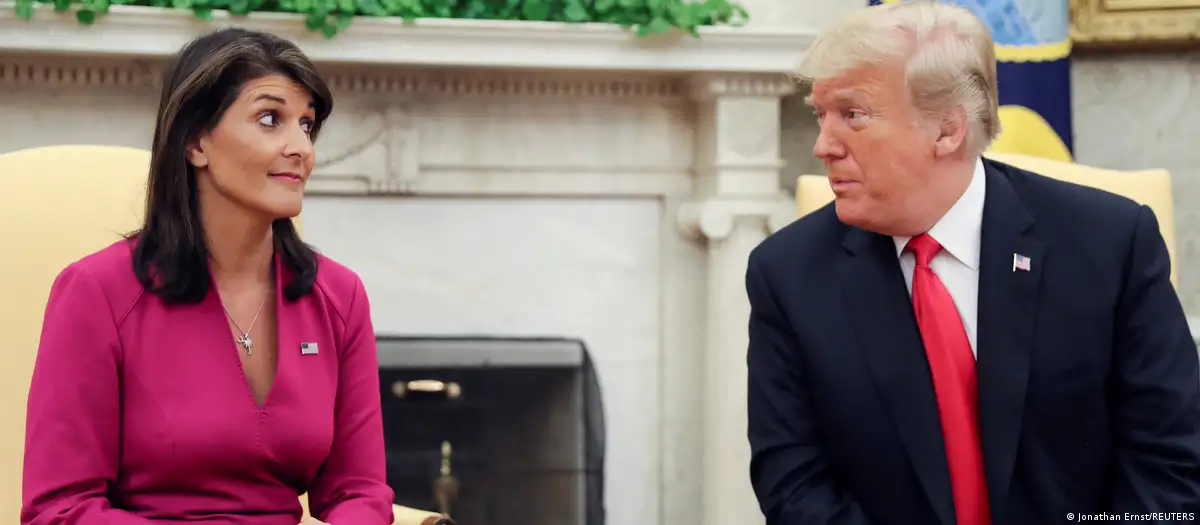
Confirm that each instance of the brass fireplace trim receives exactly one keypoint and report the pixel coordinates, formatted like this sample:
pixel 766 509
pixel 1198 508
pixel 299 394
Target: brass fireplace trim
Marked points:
pixel 451 389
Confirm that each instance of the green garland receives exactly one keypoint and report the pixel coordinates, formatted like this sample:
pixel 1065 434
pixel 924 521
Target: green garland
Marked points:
pixel 647 17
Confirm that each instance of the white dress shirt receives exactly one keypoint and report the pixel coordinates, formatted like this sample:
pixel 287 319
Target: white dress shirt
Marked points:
pixel 957 264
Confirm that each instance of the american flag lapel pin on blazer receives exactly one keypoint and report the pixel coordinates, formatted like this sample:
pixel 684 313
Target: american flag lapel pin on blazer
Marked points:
pixel 308 348
pixel 1021 262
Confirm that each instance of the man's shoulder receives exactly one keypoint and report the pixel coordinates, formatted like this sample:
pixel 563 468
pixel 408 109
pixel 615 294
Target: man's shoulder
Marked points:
pixel 810 238
pixel 1053 199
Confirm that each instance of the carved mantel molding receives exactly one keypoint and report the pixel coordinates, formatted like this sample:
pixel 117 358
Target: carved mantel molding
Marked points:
pixel 143 32
pixel 738 161
pixel 398 67
pixel 715 219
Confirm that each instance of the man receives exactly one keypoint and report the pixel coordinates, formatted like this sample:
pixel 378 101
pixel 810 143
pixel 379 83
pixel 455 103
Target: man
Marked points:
pixel 956 341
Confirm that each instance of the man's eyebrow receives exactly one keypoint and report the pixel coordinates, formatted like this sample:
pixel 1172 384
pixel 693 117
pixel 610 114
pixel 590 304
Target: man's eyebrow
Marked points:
pixel 847 97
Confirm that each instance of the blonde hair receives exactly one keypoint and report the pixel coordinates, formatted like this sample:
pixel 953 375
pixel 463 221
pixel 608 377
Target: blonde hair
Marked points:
pixel 949 54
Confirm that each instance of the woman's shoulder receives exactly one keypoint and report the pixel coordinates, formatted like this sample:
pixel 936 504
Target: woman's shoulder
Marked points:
pixel 112 264
pixel 338 283
pixel 111 270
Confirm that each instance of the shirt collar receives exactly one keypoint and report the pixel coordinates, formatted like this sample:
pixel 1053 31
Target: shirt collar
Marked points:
pixel 959 230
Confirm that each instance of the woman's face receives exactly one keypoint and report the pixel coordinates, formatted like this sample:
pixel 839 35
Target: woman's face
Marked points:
pixel 260 154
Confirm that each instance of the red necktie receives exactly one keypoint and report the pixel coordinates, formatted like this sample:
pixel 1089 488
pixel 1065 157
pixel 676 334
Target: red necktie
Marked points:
pixel 953 369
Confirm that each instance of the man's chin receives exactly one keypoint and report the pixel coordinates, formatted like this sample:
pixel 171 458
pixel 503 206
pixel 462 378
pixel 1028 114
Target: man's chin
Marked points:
pixel 849 211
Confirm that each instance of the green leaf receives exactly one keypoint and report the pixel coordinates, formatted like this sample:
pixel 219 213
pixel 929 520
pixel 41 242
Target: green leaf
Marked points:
pixel 330 17
pixel 443 10
pixel 741 15
pixel 575 11
pixel 371 8
pixel 656 26
pixel 313 22
pixel 24 9
pixel 536 10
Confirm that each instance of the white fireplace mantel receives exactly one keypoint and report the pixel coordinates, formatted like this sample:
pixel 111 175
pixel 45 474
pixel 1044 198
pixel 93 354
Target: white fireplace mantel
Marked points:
pixel 662 153
pixel 144 32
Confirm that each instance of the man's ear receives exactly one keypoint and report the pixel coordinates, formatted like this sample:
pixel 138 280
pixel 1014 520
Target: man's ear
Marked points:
pixel 196 152
pixel 952 132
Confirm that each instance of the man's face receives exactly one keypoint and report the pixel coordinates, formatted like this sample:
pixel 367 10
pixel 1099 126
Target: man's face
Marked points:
pixel 877 150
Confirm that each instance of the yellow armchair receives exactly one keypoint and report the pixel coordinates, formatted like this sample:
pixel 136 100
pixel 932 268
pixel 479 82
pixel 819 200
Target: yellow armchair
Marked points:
pixel 57 204
pixel 1149 187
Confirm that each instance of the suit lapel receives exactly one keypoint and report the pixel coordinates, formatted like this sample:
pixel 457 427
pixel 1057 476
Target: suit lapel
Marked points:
pixel 879 305
pixel 1008 302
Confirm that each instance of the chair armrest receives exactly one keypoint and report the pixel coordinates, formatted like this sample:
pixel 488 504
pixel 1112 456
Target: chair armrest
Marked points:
pixel 411 516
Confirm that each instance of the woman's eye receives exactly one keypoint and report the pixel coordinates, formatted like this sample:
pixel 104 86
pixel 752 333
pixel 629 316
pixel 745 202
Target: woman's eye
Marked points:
pixel 268 119
pixel 307 126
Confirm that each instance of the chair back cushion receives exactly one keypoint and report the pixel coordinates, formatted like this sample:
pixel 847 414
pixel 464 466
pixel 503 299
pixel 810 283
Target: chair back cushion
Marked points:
pixel 1149 187
pixel 57 204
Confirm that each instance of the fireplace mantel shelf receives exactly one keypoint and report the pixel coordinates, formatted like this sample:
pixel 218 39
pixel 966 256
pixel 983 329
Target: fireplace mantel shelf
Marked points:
pixel 145 32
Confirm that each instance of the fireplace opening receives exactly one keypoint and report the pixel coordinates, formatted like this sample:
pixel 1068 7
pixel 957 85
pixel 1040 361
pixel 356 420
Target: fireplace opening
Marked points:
pixel 494 431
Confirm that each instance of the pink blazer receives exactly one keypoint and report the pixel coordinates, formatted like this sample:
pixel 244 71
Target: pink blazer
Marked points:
pixel 140 412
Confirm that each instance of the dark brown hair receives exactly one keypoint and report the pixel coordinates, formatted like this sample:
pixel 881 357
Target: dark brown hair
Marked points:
pixel 170 255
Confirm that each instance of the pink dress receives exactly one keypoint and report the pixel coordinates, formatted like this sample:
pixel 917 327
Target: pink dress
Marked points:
pixel 139 411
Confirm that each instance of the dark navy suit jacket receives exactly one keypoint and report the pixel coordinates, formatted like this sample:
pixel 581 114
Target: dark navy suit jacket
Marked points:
pixel 1089 389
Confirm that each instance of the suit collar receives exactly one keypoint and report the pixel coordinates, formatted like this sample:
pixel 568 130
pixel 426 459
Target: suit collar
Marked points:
pixel 958 231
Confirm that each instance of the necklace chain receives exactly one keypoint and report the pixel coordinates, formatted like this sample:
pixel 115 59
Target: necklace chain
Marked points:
pixel 245 339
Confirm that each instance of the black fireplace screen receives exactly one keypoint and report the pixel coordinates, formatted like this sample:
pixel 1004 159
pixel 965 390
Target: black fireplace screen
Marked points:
pixel 494 431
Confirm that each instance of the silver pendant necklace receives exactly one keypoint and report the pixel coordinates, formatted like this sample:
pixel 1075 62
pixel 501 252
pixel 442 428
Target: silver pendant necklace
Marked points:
pixel 245 339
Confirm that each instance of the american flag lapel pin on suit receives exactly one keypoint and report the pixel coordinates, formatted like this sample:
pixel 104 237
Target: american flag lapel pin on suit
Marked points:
pixel 1021 262
pixel 308 348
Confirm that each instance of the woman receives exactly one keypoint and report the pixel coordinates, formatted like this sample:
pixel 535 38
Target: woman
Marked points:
pixel 212 367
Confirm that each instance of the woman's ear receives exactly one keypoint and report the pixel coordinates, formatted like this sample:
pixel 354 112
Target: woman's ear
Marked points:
pixel 196 153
